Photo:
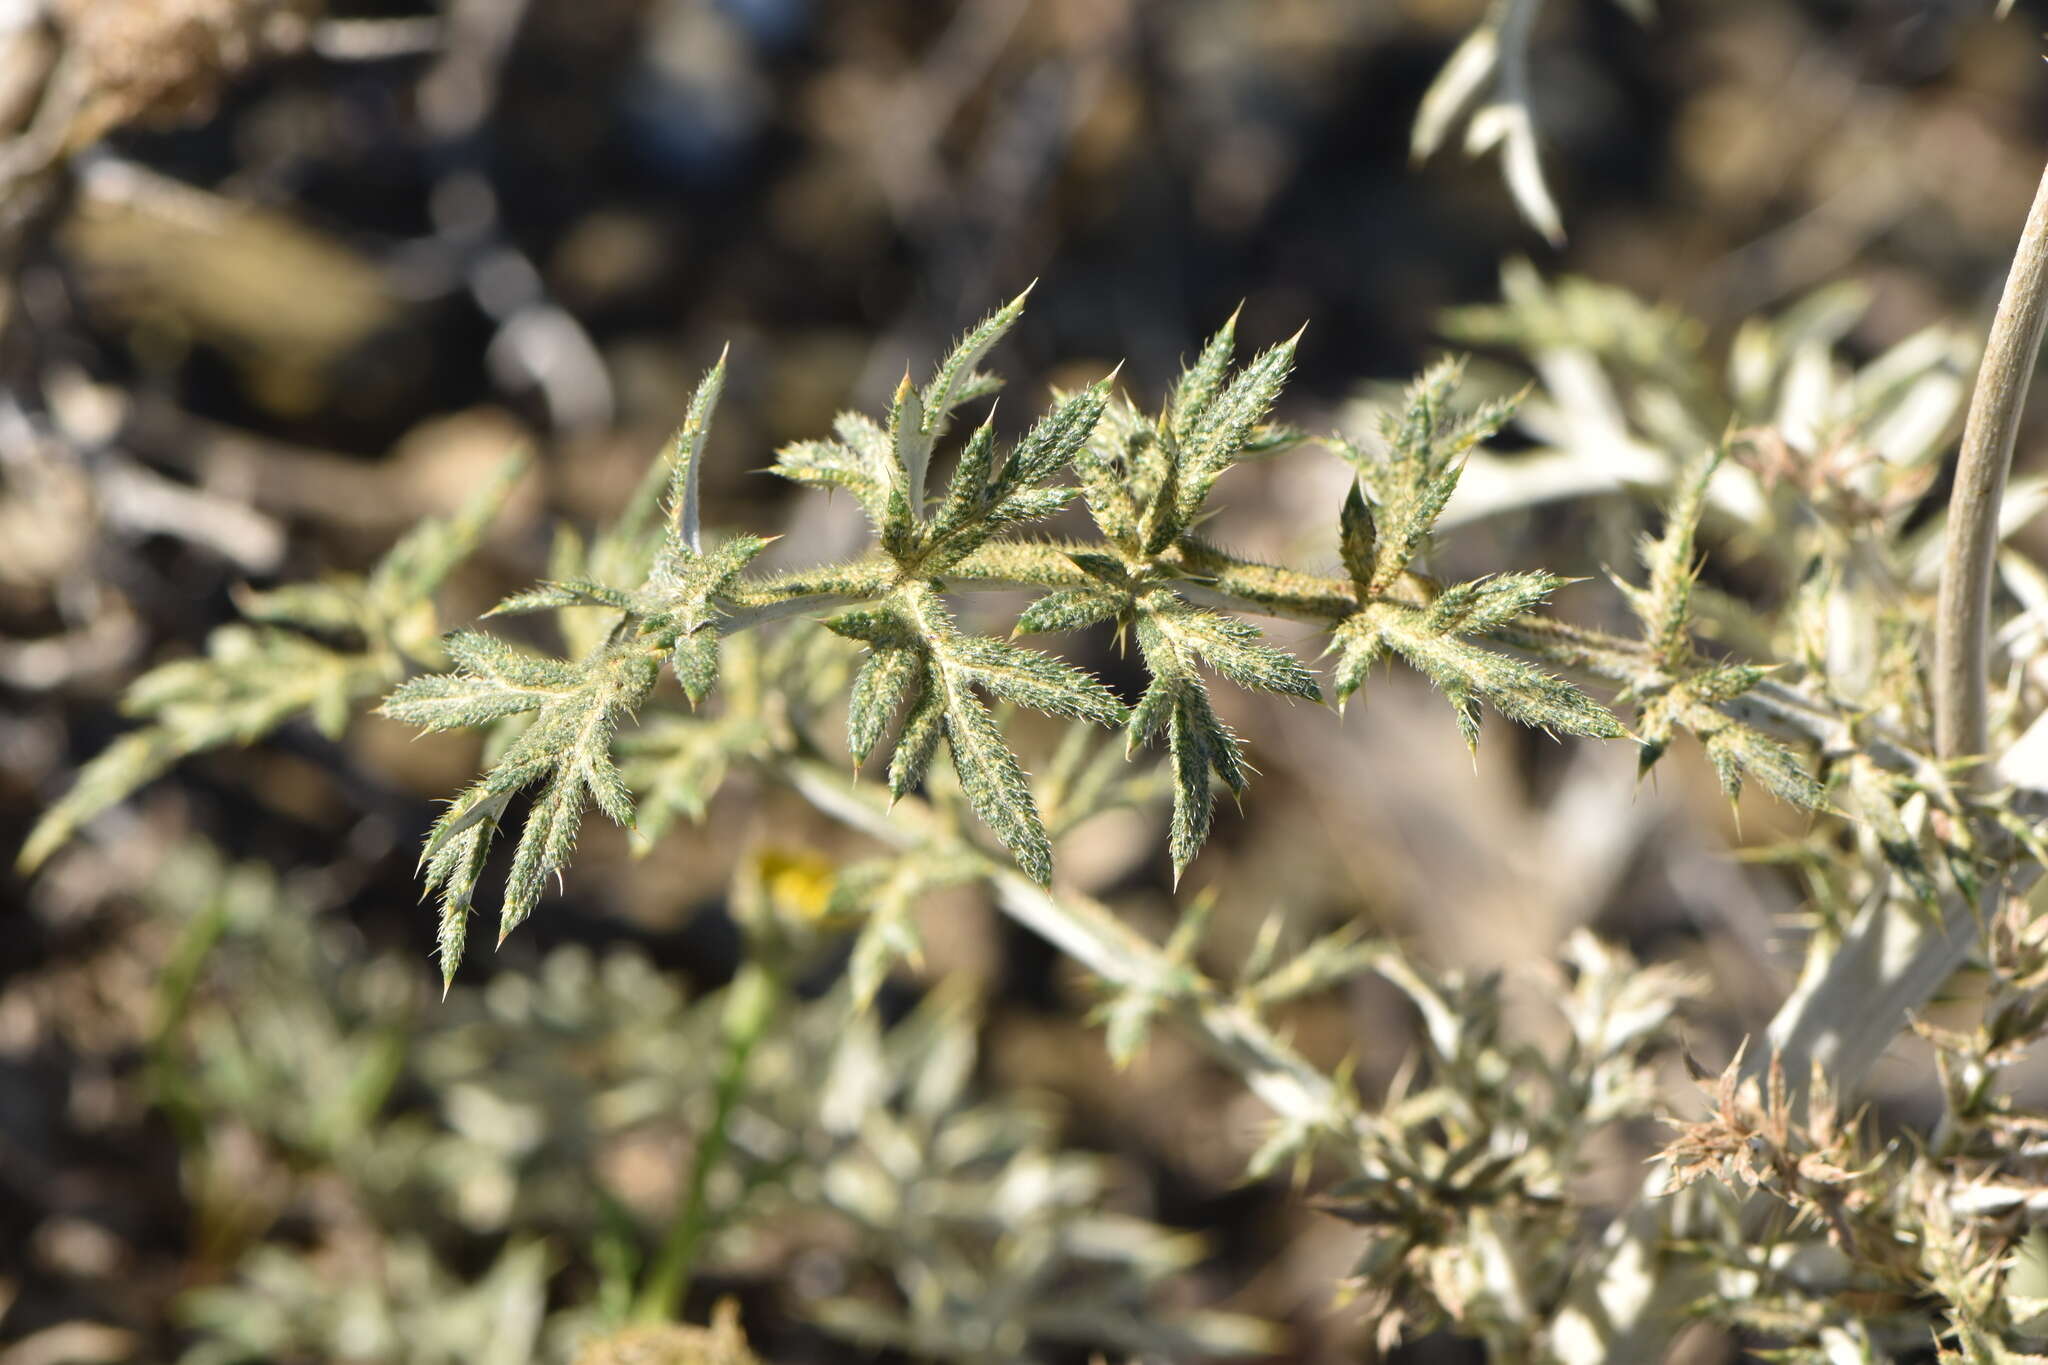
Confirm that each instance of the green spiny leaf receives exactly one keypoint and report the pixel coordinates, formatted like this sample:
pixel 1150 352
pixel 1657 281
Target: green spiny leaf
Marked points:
pixel 1487 604
pixel 1202 381
pixel 1032 679
pixel 685 457
pixel 923 727
pixel 985 497
pixel 1426 442
pixel 555 596
pixel 912 453
pixel 835 464
pixel 568 747
pixel 680 592
pixel 1358 646
pixel 1720 683
pixel 454 872
pixel 1357 538
pixel 1070 609
pixel 1058 437
pixel 1219 437
pixel 1738 751
pixel 890 674
pixel 495 679
pixel 1177 704
pixel 1199 744
pixel 694 661
pixel 1103 463
pixel 883 624
pixel 1664 604
pixel 954 380
pixel 1229 646
pixel 545 843
pixel 969 491
pixel 993 780
pixel 1467 673
pixel 1015 508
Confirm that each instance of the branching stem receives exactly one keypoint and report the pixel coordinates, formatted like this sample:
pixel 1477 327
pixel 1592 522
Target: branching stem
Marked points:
pixel 1224 581
pixel 1088 933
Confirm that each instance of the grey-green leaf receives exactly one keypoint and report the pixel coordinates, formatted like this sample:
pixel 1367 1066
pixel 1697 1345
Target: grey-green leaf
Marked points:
pixel 994 782
pixel 685 456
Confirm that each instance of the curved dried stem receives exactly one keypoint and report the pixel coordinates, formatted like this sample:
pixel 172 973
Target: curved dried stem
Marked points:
pixel 1961 622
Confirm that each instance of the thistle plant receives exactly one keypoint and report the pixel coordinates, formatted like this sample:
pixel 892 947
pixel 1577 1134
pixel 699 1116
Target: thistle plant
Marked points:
pixel 583 1158
pixel 664 598
pixel 313 650
pixel 1464 1174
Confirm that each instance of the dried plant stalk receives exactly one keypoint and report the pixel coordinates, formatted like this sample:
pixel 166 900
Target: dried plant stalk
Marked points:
pixel 1961 622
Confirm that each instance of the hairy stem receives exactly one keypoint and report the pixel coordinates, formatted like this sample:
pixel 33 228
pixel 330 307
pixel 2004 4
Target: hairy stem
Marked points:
pixel 1223 581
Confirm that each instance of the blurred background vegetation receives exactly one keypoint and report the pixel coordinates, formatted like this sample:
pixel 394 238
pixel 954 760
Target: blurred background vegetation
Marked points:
pixel 282 277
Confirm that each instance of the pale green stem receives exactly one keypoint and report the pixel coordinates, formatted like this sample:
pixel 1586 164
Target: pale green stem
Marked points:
pixel 175 986
pixel 750 1003
pixel 1098 940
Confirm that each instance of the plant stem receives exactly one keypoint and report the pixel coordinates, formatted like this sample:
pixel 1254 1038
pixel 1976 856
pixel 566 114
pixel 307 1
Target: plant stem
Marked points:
pixel 1847 1010
pixel 175 986
pixel 1961 622
pixel 750 1002
pixel 1893 957
pixel 1089 934
pixel 1223 581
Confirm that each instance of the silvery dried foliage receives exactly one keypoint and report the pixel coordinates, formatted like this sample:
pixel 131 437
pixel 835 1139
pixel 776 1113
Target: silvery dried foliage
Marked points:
pixel 1467 1170
pixel 503 1112
pixel 1486 85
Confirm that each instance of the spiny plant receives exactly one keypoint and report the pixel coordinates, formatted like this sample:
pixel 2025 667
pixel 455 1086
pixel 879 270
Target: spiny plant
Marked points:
pixel 1146 482
pixel 1463 1182
pixel 654 594
pixel 1411 481
pixel 407 1130
pixel 317 650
